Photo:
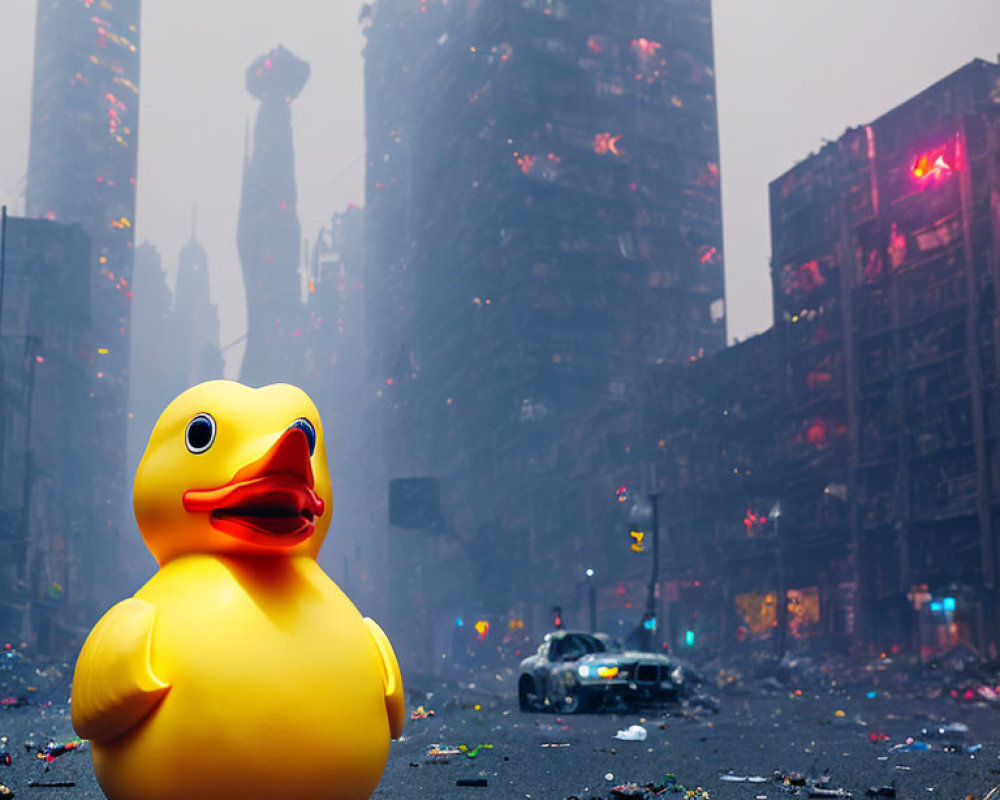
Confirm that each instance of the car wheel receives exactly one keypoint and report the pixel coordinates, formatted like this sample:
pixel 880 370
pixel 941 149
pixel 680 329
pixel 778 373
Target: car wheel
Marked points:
pixel 527 694
pixel 569 698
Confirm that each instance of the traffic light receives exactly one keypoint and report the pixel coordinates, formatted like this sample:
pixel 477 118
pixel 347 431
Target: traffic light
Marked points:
pixel 637 540
pixel 649 623
pixel 557 613
pixel 689 638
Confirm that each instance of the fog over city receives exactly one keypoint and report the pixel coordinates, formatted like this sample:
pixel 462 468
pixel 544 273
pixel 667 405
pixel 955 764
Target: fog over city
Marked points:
pixel 604 389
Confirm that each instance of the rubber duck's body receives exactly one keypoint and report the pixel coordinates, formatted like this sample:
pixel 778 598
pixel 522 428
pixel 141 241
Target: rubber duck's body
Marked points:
pixel 240 669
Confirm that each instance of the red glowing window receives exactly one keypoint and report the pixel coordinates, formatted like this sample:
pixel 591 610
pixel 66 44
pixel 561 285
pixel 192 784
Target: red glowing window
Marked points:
pixel 938 164
pixel 606 143
pixel 753 522
pixel 645 47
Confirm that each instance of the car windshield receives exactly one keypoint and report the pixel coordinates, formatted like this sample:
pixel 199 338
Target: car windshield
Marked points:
pixel 575 646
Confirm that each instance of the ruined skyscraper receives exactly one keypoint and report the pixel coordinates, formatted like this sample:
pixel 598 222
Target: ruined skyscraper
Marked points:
pixel 50 542
pixel 870 416
pixel 196 317
pixel 544 226
pixel 82 168
pixel 269 235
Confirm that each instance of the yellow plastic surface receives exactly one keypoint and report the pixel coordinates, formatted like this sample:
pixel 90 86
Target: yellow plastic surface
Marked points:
pixel 277 685
pixel 395 703
pixel 114 687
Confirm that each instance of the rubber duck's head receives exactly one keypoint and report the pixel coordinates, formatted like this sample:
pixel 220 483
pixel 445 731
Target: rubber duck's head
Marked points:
pixel 237 471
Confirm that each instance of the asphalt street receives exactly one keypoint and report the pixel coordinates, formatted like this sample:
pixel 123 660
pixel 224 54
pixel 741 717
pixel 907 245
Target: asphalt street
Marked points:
pixel 527 755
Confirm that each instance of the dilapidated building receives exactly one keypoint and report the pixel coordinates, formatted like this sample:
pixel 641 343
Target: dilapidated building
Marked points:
pixel 53 567
pixel 544 228
pixel 872 499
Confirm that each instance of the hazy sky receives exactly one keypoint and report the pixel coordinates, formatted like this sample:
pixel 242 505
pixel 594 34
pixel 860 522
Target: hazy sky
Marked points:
pixel 790 73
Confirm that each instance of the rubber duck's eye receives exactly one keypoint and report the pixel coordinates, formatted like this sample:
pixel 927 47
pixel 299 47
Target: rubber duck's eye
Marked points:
pixel 307 428
pixel 200 433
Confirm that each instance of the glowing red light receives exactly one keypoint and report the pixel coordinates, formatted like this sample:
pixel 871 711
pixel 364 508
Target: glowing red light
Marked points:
pixel 935 165
pixel 816 433
pixel 606 143
pixel 526 162
pixel 645 47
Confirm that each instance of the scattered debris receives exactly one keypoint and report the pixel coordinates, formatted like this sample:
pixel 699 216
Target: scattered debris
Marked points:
pixel 52 750
pixel 421 713
pixel 828 791
pixel 475 750
pixel 443 750
pixel 480 782
pixel 633 733
pixel 790 778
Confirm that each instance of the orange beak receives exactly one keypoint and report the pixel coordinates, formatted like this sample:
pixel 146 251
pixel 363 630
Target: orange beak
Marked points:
pixel 269 502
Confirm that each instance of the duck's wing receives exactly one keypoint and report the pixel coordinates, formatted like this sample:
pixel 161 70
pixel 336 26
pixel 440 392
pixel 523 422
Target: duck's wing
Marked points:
pixel 114 687
pixel 394 700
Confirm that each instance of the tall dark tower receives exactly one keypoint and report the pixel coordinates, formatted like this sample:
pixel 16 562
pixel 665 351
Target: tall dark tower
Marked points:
pixel 544 228
pixel 82 167
pixel 196 317
pixel 269 235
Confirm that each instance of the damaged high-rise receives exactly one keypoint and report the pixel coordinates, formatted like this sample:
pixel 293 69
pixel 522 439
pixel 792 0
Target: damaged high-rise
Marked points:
pixel 269 233
pixel 869 504
pixel 50 535
pixel 82 170
pixel 544 226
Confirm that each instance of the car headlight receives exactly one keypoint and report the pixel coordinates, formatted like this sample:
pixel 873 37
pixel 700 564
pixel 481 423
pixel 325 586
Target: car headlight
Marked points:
pixel 607 671
pixel 584 670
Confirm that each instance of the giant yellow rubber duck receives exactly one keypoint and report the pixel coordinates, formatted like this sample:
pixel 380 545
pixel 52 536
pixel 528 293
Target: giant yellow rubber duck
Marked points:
pixel 240 669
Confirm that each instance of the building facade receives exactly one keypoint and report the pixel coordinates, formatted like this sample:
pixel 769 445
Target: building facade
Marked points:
pixel 82 170
pixel 269 235
pixel 49 564
pixel 196 318
pixel 544 228
pixel 882 461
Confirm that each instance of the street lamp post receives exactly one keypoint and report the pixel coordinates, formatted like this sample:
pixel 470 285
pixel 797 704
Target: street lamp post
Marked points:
pixel 592 592
pixel 781 607
pixel 650 622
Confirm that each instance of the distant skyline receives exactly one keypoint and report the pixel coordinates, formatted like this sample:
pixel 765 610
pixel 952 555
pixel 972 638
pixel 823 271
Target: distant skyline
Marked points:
pixel 790 74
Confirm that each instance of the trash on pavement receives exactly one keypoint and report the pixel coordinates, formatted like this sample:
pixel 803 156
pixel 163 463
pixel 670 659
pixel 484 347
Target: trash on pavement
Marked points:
pixel 481 782
pixel 442 750
pixel 421 713
pixel 633 733
pixel 790 778
pixel 828 791
pixel 911 745
pixel 730 778
pixel 882 791
pixel 473 752
pixel 53 750
pixel 6 792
